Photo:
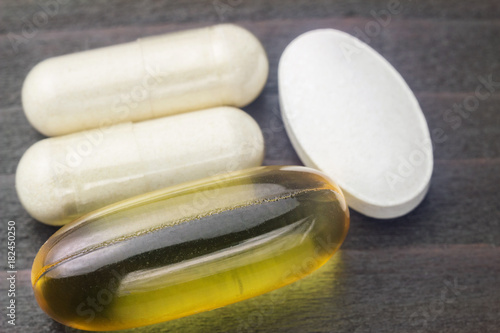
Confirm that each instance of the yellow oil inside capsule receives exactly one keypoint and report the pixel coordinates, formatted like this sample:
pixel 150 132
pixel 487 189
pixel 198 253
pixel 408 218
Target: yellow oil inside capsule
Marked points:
pixel 190 248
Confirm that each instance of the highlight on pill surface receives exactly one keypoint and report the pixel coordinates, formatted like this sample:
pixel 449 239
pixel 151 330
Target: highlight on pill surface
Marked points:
pixel 152 77
pixel 62 178
pixel 190 248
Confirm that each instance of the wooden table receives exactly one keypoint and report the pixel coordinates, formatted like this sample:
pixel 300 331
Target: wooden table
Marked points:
pixel 436 269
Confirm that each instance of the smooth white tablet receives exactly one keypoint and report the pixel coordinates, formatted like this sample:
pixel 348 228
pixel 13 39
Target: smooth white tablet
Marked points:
pixel 60 179
pixel 350 114
pixel 149 78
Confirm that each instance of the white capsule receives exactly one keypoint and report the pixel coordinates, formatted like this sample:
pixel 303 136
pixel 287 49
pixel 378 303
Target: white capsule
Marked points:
pixel 149 78
pixel 59 179
pixel 350 114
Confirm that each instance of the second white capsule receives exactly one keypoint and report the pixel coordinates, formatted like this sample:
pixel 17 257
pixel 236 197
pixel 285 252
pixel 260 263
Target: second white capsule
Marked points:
pixel 60 179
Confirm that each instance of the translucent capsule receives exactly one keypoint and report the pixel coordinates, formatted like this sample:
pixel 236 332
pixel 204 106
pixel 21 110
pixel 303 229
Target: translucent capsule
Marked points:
pixel 190 248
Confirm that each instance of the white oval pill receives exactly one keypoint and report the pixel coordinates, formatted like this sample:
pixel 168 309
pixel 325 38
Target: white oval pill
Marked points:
pixel 149 78
pixel 349 113
pixel 59 179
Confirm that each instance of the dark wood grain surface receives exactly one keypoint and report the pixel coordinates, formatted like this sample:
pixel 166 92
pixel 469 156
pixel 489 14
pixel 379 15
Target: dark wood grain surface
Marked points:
pixel 436 269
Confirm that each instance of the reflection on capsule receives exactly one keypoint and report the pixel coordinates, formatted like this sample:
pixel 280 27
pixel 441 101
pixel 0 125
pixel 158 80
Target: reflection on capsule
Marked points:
pixel 190 248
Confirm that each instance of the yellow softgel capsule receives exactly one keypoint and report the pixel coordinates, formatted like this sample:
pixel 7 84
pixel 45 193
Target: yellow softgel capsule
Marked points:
pixel 190 248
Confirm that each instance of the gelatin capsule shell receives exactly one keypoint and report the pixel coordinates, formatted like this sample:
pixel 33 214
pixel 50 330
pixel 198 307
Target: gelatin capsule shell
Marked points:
pixel 59 180
pixel 152 77
pixel 190 248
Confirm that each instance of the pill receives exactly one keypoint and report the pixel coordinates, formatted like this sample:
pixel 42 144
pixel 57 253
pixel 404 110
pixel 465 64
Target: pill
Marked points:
pixel 350 114
pixel 190 248
pixel 149 78
pixel 59 179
